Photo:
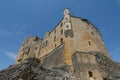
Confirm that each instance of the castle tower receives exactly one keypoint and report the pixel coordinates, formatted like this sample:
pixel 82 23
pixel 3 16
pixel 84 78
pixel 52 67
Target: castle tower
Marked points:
pixel 68 33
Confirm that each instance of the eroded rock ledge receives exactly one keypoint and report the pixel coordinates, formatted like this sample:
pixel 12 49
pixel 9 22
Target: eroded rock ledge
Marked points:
pixel 31 69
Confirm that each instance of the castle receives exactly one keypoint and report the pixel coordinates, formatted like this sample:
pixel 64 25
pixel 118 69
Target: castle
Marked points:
pixel 72 41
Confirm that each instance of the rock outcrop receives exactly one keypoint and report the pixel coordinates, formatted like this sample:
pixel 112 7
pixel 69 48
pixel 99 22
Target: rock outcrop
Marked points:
pixel 31 69
pixel 109 66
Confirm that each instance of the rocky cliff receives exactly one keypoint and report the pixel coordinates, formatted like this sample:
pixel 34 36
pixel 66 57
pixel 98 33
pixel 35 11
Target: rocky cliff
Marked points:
pixel 31 69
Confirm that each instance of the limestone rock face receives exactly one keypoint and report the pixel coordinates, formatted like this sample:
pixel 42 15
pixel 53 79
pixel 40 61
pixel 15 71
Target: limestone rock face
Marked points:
pixel 31 69
pixel 109 66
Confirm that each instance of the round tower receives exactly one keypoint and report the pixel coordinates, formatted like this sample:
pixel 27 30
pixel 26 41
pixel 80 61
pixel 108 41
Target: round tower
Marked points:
pixel 67 20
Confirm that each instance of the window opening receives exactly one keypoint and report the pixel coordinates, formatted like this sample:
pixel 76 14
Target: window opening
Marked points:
pixel 61 40
pixel 61 31
pixel 46 43
pixel 54 38
pixel 43 45
pixel 55 32
pixel 67 26
pixel 66 18
pixel 89 43
pixel 90 74
pixel 36 48
pixel 19 60
pixel 61 25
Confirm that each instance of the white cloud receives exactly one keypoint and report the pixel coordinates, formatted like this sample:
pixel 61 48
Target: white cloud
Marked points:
pixel 11 55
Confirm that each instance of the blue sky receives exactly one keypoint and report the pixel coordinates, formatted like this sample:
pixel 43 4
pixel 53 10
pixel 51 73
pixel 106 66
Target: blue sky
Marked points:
pixel 22 18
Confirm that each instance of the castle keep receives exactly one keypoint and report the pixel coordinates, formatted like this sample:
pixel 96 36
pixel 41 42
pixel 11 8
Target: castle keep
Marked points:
pixel 71 42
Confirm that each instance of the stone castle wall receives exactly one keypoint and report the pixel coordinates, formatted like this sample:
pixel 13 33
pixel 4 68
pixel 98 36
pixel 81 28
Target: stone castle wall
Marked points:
pixel 75 33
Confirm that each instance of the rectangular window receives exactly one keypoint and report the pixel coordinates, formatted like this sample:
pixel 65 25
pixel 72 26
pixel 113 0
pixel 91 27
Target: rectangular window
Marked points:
pixel 46 43
pixel 55 32
pixel 61 31
pixel 43 45
pixel 61 40
pixel 61 25
pixel 54 38
pixel 90 74
pixel 67 26
pixel 89 43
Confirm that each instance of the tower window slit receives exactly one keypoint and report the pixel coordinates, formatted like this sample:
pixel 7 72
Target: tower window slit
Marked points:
pixel 89 43
pixel 54 38
pixel 61 25
pixel 61 31
pixel 55 32
pixel 61 40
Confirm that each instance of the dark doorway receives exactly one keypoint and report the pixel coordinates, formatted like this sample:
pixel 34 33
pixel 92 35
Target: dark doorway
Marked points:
pixel 90 74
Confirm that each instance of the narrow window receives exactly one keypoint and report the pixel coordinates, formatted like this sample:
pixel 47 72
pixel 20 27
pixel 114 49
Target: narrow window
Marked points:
pixel 54 38
pixel 19 60
pixel 46 43
pixel 61 31
pixel 43 45
pixel 90 74
pixel 89 43
pixel 67 26
pixel 55 32
pixel 61 25
pixel 74 71
pixel 36 48
pixel 61 40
